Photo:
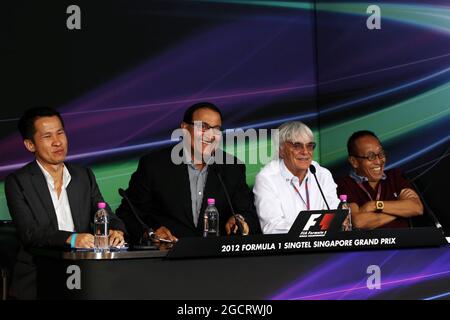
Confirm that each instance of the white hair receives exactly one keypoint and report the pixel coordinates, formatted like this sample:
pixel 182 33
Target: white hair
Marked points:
pixel 293 130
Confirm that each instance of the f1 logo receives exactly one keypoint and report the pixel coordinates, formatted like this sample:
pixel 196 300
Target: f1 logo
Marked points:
pixel 314 219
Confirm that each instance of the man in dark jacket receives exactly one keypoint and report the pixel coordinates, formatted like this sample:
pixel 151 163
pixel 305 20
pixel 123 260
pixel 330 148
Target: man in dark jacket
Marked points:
pixel 52 203
pixel 171 186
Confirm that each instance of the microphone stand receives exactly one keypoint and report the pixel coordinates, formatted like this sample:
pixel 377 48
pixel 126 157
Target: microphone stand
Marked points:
pixel 148 236
pixel 313 171
pixel 227 196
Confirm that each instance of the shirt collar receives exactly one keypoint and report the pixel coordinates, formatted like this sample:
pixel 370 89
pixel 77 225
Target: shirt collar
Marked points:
pixel 188 160
pixel 361 179
pixel 288 175
pixel 66 175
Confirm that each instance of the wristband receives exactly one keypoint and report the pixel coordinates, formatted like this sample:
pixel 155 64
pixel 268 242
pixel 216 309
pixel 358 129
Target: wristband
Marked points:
pixel 72 241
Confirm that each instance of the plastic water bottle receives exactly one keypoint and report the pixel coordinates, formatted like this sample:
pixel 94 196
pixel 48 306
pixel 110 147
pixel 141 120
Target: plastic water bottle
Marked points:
pixel 211 219
pixel 344 205
pixel 101 229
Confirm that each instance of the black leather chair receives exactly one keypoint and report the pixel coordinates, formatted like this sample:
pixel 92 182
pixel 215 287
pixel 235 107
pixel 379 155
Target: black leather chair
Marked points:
pixel 9 245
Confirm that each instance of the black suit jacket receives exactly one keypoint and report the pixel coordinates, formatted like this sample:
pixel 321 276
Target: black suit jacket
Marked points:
pixel 160 191
pixel 34 216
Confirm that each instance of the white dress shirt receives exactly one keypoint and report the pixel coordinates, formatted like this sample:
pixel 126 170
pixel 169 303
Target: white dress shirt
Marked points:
pixel 61 204
pixel 277 201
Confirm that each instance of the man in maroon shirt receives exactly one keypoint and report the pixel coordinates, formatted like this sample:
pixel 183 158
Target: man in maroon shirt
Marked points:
pixel 377 199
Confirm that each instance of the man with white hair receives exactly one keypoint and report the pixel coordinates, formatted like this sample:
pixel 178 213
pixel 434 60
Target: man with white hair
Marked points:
pixel 285 186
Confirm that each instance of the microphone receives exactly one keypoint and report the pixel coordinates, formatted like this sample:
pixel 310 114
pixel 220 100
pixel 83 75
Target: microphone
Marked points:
pixel 145 242
pixel 313 171
pixel 227 196
pixel 434 219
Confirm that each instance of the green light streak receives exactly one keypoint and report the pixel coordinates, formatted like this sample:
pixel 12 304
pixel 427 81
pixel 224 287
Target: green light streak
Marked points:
pixel 279 4
pixel 392 122
pixel 4 213
pixel 112 176
pixel 428 16
pixel 389 123
pixel 431 16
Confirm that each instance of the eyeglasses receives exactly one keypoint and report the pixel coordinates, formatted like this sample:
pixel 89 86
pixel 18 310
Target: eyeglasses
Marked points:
pixel 297 146
pixel 205 127
pixel 371 156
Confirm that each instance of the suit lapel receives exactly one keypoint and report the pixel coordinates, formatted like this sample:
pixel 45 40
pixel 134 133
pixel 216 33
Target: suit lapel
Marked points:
pixel 41 188
pixel 184 187
pixel 74 195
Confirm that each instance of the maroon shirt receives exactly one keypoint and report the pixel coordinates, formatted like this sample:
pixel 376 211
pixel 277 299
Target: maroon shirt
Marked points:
pixel 390 190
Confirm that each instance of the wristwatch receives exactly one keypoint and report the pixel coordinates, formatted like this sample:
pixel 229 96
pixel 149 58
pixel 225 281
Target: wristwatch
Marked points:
pixel 379 205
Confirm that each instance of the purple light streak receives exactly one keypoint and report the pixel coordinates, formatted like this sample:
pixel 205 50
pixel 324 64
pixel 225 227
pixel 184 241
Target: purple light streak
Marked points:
pixel 400 269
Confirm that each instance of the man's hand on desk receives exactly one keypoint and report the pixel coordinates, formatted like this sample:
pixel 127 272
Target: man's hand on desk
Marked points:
pixel 231 226
pixel 164 233
pixel 83 240
pixel 116 238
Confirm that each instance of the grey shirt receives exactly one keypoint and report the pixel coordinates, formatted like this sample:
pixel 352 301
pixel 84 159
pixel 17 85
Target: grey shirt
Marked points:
pixel 197 181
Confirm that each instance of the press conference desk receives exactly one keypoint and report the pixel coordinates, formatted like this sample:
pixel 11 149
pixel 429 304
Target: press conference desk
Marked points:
pixel 297 274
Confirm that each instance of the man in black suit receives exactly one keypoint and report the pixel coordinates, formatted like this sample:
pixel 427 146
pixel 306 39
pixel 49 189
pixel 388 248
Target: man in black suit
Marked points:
pixel 52 203
pixel 171 186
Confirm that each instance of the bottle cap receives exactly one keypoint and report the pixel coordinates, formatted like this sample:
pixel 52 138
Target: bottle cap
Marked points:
pixel 343 197
pixel 211 201
pixel 101 205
